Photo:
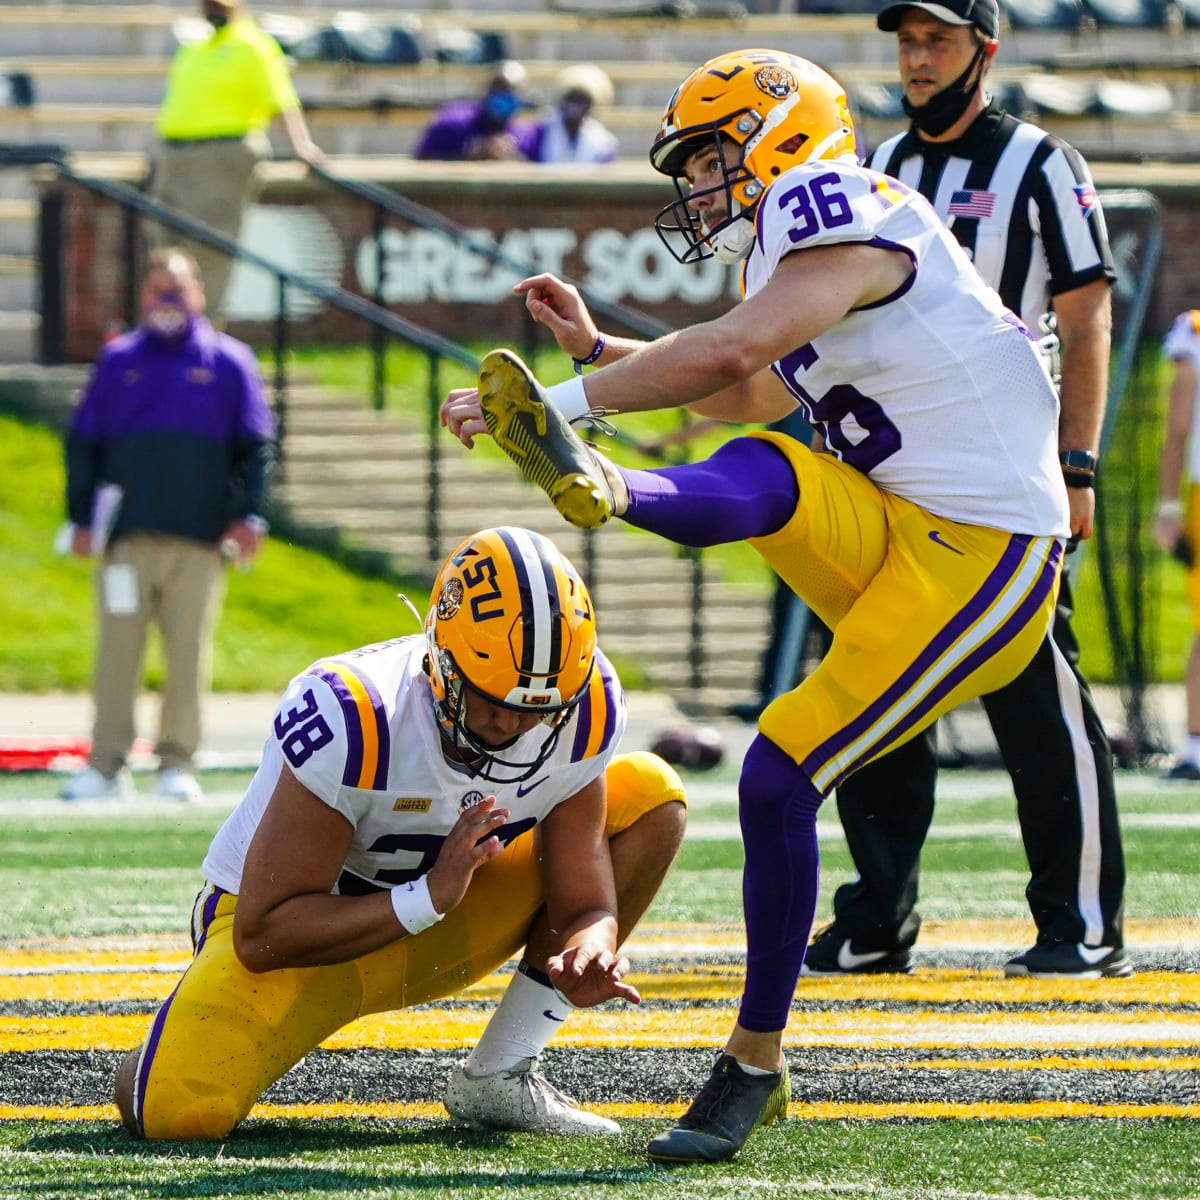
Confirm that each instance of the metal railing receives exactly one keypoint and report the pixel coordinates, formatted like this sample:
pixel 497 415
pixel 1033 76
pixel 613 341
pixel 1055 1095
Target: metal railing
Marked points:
pixel 383 323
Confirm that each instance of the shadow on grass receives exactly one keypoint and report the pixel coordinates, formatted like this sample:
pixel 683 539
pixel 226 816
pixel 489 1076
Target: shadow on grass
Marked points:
pixel 261 1158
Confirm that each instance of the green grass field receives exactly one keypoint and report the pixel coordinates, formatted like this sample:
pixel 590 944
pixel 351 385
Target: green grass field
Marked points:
pixel 950 1084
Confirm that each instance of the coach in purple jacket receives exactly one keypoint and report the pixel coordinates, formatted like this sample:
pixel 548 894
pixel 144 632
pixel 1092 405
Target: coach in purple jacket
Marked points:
pixel 174 416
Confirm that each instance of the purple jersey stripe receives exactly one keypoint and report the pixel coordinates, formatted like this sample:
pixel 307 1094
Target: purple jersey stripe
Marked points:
pixel 366 726
pixel 597 708
pixel 608 678
pixel 1000 577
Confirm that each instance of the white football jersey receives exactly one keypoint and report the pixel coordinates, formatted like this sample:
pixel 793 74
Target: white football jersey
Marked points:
pixel 1183 341
pixel 359 731
pixel 935 392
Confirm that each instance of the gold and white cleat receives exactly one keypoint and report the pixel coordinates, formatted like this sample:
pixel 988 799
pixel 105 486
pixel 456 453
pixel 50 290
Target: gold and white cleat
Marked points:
pixel 536 436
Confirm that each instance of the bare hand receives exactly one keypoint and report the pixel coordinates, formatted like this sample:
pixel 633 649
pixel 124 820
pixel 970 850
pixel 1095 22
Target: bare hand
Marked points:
pixel 589 974
pixel 1082 503
pixel 247 540
pixel 81 541
pixel 1167 531
pixel 559 307
pixel 471 843
pixel 462 415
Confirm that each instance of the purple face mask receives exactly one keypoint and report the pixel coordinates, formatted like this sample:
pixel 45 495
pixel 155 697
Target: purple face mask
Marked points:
pixel 169 319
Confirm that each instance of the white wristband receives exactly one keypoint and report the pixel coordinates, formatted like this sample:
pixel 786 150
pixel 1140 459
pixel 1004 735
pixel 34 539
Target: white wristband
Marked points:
pixel 1170 508
pixel 569 398
pixel 413 907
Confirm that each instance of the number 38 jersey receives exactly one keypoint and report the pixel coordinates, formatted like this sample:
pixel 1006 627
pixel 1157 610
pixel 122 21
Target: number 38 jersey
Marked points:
pixel 358 730
pixel 936 392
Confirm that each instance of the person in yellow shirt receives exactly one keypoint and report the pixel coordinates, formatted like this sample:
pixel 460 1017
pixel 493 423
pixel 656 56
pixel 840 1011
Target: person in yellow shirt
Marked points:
pixel 221 96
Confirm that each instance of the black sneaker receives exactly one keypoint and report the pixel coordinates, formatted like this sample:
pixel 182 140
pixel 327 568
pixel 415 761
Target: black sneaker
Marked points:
pixel 1052 960
pixel 1184 770
pixel 729 1108
pixel 831 952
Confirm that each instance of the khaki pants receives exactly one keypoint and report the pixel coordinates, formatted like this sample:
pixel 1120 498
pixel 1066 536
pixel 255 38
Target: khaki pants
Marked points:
pixel 212 182
pixel 178 585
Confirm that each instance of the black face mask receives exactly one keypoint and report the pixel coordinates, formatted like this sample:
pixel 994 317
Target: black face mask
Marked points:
pixel 941 111
pixel 218 20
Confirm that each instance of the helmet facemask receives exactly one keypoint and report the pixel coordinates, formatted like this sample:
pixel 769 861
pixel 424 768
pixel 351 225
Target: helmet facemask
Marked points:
pixel 483 760
pixel 680 225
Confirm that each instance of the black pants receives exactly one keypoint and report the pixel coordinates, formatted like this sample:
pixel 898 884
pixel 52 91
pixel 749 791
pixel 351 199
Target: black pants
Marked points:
pixel 1055 748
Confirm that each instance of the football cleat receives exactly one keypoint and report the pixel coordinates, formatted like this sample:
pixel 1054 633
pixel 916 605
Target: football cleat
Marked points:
pixel 730 1107
pixel 831 952
pixel 519 1099
pixel 1057 960
pixel 536 436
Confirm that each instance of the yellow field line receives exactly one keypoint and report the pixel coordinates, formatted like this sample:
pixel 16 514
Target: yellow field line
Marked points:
pixel 866 1028
pixel 172 951
pixel 797 1110
pixel 1162 989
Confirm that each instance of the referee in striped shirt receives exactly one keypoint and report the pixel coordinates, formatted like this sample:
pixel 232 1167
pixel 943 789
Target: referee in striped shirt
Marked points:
pixel 1022 205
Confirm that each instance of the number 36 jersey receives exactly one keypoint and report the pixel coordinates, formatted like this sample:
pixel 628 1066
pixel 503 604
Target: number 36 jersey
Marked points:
pixel 358 730
pixel 936 392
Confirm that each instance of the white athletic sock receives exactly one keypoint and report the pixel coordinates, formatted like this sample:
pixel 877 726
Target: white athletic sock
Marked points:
pixel 529 1014
pixel 753 1070
pixel 1192 752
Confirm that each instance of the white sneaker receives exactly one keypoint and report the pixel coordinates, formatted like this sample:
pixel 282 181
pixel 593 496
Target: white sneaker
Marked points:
pixel 177 784
pixel 89 784
pixel 519 1099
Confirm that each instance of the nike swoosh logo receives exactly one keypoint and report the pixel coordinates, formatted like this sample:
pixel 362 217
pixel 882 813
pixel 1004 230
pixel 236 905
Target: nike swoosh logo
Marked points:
pixel 936 538
pixel 1093 954
pixel 547 1013
pixel 523 790
pixel 849 961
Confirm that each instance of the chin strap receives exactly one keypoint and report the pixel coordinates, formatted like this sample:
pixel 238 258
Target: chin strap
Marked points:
pixel 733 243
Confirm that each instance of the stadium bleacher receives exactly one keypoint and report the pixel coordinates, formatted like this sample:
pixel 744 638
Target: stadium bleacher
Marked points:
pixel 1119 78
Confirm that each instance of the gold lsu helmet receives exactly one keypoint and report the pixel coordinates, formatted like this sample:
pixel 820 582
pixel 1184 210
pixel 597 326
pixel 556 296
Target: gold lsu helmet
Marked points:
pixel 778 109
pixel 509 620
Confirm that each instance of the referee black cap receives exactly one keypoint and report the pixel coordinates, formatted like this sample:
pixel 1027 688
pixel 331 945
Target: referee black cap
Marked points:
pixel 983 14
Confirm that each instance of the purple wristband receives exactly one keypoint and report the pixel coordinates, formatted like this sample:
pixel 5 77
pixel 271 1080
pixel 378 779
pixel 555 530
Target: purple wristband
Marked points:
pixel 597 350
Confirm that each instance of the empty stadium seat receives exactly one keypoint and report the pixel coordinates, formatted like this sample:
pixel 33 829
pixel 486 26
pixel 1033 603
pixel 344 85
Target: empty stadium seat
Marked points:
pixel 1189 10
pixel 1128 98
pixel 1053 95
pixel 879 100
pixel 1044 15
pixel 465 46
pixel 1128 14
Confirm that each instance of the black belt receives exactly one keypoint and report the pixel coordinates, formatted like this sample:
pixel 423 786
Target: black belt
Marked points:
pixel 228 137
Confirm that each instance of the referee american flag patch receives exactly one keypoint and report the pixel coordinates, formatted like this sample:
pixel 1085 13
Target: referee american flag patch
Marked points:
pixel 1086 195
pixel 972 204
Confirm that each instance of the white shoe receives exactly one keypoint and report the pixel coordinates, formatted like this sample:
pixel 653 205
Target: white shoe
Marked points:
pixel 89 784
pixel 519 1099
pixel 177 784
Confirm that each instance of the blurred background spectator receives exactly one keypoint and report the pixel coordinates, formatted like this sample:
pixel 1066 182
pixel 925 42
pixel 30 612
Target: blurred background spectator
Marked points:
pixel 482 128
pixel 221 96
pixel 566 132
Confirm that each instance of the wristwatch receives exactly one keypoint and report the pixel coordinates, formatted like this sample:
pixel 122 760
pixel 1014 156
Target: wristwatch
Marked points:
pixel 1077 460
